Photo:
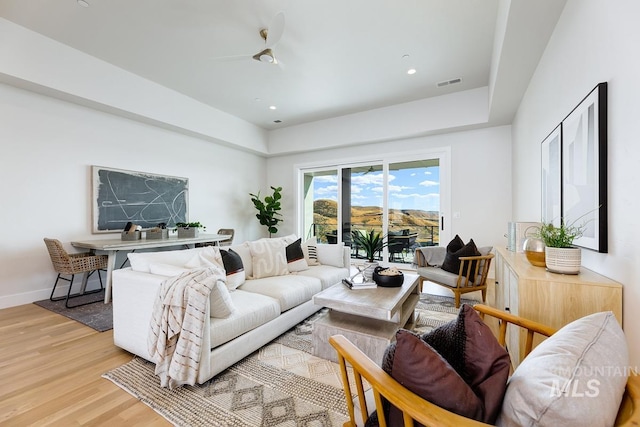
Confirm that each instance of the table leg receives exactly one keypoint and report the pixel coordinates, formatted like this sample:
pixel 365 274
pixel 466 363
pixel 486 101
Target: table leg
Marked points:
pixel 111 263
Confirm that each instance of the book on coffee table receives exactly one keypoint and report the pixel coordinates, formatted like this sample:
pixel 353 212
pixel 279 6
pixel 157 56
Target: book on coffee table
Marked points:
pixel 358 285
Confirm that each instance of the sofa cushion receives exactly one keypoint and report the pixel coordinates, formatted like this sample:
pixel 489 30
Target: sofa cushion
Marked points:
pixel 327 274
pixel 233 267
pixel 575 377
pixel 220 303
pixel 269 258
pixel 140 261
pixel 295 257
pixel 290 290
pixel 331 254
pixel 252 310
pixel 452 259
pixel 419 368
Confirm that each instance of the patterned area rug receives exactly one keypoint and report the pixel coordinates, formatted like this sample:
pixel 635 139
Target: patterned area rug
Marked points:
pixel 98 316
pixel 282 384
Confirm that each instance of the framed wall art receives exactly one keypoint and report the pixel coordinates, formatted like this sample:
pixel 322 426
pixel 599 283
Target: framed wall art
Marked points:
pixel 146 199
pixel 551 177
pixel 584 168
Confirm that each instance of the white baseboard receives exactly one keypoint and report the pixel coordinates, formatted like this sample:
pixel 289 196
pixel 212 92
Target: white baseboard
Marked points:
pixel 22 298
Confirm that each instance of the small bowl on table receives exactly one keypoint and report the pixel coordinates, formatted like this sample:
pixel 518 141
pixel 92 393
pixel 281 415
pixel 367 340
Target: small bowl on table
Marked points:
pixel 385 280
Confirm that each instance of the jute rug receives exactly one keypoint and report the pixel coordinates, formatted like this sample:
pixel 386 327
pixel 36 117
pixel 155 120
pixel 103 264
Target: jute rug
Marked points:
pixel 282 384
pixel 98 315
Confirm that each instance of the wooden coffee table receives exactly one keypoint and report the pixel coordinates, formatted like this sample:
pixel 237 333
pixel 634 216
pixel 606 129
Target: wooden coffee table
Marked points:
pixel 369 318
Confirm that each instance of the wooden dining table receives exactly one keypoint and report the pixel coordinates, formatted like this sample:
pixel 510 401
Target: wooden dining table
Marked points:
pixel 113 246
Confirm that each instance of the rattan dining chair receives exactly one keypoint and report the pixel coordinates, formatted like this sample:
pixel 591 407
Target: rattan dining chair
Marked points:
pixel 68 264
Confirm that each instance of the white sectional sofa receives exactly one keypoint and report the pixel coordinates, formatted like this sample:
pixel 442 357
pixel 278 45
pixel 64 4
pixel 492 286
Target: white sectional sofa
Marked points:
pixel 268 298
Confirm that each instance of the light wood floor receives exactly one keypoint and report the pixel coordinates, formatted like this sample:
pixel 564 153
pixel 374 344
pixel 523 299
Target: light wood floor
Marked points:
pixel 51 367
pixel 50 374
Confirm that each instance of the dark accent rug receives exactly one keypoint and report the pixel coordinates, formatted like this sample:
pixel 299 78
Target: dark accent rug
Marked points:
pixel 280 384
pixel 98 316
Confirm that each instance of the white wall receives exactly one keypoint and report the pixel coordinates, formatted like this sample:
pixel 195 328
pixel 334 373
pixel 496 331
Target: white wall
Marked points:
pixel 45 168
pixel 594 41
pixel 480 172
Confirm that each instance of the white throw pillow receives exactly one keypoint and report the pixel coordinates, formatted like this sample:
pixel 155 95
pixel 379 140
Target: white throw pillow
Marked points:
pixel 209 256
pixel 167 270
pixel 331 254
pixel 310 251
pixel 140 261
pixel 220 302
pixel 575 377
pixel 269 258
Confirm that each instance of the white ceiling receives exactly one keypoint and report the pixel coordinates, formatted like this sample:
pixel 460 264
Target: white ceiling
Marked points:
pixel 336 56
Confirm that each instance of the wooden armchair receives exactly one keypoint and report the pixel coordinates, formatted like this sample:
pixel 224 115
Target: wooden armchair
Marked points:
pixel 471 277
pixel 415 408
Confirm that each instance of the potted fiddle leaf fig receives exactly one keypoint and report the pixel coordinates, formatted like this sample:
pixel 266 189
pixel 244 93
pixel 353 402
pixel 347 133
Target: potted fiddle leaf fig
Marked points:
pixel 268 208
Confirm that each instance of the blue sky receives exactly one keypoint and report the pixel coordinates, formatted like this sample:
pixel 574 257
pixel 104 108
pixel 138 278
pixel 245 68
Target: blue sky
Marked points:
pixel 417 188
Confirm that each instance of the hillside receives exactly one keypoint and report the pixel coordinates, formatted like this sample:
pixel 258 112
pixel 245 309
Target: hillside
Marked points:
pixel 417 221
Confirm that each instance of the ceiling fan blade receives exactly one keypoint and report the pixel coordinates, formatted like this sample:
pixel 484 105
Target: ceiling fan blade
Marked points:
pixel 276 29
pixel 231 58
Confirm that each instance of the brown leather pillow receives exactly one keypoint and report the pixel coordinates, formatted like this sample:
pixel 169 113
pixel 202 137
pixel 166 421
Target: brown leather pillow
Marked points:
pixel 472 350
pixel 419 368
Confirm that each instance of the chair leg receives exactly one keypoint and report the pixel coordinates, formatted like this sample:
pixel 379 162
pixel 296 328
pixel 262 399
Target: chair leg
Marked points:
pixel 457 299
pixel 70 295
pixel 484 295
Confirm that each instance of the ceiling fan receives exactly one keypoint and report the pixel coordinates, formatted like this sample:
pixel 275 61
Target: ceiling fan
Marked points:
pixel 271 37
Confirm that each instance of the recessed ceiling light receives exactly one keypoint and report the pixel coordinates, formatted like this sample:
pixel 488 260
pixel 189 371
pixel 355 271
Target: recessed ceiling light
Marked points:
pixel 83 3
pixel 272 107
pixel 411 71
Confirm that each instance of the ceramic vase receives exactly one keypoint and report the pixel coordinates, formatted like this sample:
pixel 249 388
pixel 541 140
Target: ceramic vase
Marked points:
pixel 563 260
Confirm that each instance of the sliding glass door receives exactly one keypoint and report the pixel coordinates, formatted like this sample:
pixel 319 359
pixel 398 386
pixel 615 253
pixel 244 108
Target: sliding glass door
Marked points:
pixel 400 198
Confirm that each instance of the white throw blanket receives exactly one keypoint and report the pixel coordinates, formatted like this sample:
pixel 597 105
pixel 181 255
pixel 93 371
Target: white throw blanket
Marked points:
pixel 176 330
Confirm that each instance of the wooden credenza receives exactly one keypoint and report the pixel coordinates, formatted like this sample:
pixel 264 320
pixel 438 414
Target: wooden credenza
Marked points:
pixel 549 298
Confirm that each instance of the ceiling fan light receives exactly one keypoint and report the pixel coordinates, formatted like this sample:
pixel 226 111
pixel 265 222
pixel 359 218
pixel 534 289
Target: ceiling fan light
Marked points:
pixel 266 56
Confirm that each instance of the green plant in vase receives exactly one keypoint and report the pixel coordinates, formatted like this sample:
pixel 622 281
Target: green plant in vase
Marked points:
pixel 370 242
pixel 560 254
pixel 189 229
